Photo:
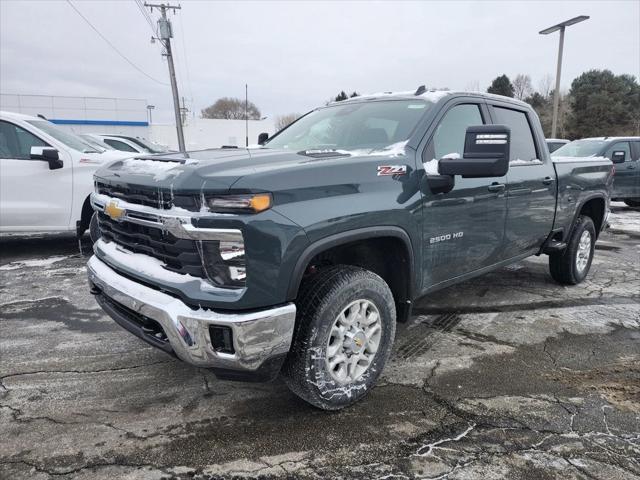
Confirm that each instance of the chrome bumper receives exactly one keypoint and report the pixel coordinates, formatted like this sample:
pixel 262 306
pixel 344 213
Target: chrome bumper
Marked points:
pixel 259 338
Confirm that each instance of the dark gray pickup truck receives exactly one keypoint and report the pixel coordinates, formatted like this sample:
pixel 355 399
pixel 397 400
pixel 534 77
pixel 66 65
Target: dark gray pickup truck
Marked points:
pixel 299 257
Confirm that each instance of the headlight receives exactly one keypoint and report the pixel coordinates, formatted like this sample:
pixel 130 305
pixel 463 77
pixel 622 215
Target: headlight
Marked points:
pixel 251 203
pixel 224 262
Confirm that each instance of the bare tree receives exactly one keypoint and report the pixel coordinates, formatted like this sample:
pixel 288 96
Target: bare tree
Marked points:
pixel 522 86
pixel 473 86
pixel 283 121
pixel 544 85
pixel 231 109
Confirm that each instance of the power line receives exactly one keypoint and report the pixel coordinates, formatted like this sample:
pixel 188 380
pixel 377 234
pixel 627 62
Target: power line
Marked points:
pixel 186 62
pixel 113 46
pixel 146 16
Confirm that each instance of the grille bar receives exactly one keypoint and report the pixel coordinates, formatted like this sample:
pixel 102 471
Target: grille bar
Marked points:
pixel 178 255
pixel 157 198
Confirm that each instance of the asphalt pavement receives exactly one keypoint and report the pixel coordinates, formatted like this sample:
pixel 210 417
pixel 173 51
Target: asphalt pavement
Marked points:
pixel 509 375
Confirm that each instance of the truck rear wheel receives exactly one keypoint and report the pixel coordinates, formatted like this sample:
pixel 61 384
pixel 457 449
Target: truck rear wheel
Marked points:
pixel 345 328
pixel 571 265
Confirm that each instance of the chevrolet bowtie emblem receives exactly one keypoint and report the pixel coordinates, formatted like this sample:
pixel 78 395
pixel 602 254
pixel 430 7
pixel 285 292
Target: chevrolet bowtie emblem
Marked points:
pixel 114 211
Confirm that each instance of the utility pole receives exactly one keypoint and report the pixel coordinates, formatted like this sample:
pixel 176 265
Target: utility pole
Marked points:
pixel 556 93
pixel 183 112
pixel 166 33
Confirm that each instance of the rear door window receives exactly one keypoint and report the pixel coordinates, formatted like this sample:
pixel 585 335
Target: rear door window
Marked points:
pixel 523 146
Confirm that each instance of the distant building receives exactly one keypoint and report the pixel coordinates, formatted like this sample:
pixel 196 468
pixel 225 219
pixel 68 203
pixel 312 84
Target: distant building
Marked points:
pixel 84 114
pixel 129 116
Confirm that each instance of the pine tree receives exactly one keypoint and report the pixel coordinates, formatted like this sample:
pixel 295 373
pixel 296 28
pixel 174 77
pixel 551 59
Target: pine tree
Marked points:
pixel 501 86
pixel 603 104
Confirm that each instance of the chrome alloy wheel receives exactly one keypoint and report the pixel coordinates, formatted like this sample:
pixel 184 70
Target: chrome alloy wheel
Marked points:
pixel 353 341
pixel 584 251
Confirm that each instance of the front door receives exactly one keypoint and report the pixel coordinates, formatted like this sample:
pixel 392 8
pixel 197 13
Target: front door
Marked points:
pixel 32 197
pixel 463 230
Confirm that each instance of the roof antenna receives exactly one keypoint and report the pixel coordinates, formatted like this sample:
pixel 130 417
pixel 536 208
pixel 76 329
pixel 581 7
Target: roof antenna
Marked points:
pixel 42 116
pixel 421 89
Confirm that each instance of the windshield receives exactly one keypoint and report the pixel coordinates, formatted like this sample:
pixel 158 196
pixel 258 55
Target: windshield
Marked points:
pixel 353 127
pixel 69 139
pixel 94 143
pixel 581 148
pixel 148 145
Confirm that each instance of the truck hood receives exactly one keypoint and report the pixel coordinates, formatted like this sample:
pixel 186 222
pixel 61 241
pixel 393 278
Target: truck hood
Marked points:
pixel 213 170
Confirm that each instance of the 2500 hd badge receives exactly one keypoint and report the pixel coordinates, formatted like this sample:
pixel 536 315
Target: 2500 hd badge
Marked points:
pixel 294 259
pixel 444 238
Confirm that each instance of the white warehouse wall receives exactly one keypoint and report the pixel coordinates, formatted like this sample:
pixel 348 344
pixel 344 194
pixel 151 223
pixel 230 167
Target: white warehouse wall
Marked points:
pixel 201 133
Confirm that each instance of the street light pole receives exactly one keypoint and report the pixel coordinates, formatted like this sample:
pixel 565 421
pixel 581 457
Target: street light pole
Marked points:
pixel 556 93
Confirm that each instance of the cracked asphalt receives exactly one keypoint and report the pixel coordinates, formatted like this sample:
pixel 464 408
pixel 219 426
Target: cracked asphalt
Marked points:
pixel 506 376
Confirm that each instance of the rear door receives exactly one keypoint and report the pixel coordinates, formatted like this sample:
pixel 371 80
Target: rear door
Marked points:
pixel 531 182
pixel 463 229
pixel 32 197
pixel 626 177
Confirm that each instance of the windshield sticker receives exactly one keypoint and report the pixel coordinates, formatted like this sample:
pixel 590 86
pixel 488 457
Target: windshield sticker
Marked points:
pixel 416 105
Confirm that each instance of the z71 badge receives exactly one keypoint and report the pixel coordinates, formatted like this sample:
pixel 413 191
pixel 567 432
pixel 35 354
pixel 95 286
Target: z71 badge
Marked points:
pixel 391 170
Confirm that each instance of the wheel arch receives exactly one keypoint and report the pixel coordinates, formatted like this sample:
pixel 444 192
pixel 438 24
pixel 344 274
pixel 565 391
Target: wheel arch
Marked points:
pixel 594 207
pixel 392 242
pixel 82 224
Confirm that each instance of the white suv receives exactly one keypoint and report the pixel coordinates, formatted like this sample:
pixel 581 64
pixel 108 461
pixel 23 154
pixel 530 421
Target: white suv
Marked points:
pixel 46 176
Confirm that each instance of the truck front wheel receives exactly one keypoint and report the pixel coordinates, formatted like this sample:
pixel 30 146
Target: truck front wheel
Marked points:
pixel 571 265
pixel 345 328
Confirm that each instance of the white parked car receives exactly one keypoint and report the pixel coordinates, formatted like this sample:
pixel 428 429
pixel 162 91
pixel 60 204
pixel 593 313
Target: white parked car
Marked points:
pixel 46 176
pixel 126 143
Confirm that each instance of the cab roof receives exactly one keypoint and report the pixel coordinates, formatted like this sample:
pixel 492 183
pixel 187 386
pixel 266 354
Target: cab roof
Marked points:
pixel 429 95
pixel 17 116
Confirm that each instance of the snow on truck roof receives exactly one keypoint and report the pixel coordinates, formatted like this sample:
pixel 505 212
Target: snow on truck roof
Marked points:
pixel 429 95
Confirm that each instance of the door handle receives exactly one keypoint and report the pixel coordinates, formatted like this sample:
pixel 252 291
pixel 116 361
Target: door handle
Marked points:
pixel 547 181
pixel 496 187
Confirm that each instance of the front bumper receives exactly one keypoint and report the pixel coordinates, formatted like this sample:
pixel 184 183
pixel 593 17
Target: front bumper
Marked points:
pixel 261 339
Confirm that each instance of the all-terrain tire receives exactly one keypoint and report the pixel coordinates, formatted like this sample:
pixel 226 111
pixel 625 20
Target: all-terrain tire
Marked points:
pixel 94 229
pixel 633 203
pixel 322 298
pixel 572 265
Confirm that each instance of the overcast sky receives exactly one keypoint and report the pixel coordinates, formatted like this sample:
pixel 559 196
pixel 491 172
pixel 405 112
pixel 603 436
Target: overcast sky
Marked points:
pixel 296 55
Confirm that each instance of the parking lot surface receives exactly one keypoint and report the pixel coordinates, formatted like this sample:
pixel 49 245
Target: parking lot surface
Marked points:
pixel 509 375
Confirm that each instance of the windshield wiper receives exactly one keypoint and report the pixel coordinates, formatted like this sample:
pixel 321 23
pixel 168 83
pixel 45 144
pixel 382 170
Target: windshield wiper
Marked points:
pixel 324 152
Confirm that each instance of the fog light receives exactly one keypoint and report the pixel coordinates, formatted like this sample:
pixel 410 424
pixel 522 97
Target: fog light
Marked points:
pixel 221 339
pixel 224 263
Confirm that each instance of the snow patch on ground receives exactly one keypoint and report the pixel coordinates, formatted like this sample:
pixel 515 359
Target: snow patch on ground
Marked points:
pixel 624 218
pixel 41 262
